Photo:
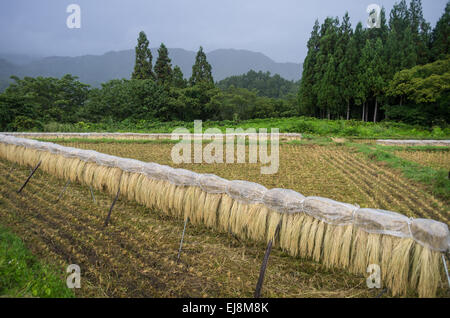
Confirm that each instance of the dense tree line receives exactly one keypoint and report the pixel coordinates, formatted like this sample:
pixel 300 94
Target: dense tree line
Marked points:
pixel 399 71
pixel 265 84
pixel 348 72
pixel 159 93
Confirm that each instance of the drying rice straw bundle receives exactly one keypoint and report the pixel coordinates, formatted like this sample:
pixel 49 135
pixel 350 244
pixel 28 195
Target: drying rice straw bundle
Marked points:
pixel 168 199
pixel 211 207
pixel 162 187
pixel 318 246
pixel 286 226
pixel 344 257
pixel 273 219
pixel 359 251
pixel 67 171
pixel 60 164
pixel 165 196
pixel 88 173
pixel 113 179
pixel 257 222
pixel 239 217
pixel 325 234
pixel 388 243
pixel 16 154
pixel 27 156
pixel 426 265
pixel 294 232
pixel 73 168
pixel 199 205
pixel 307 223
pixel 80 170
pixel 245 194
pixel 3 149
pixel 99 176
pixel 131 188
pixel 125 184
pixel 145 191
pixel 425 272
pixel 158 194
pixel 11 153
pixel 49 162
pixel 224 212
pixel 180 202
pixel 214 188
pixel 311 237
pixel 332 245
pixel 372 225
pixel 46 160
pixel 190 198
pixel 397 276
pixel 374 249
pixel 181 199
pixel 137 180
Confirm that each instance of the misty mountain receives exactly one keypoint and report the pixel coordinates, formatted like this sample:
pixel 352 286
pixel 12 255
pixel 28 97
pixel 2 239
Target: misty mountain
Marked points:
pixel 96 69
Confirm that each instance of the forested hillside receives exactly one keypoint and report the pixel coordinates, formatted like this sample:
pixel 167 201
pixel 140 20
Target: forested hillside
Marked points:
pixel 397 72
pixel 263 82
pixel 349 72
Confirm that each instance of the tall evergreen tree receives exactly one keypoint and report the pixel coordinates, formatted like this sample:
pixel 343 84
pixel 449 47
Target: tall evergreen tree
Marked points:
pixel 143 63
pixel 328 95
pixel 329 34
pixel 178 78
pixel 421 32
pixel 400 45
pixel 163 67
pixel 441 35
pixel 201 70
pixel 307 98
pixel 347 70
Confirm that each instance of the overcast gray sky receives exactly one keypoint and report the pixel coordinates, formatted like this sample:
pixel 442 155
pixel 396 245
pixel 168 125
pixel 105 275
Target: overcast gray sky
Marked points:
pixel 277 28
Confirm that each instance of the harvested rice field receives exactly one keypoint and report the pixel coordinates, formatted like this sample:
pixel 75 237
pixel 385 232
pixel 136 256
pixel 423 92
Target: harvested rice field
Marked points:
pixel 433 159
pixel 332 171
pixel 136 255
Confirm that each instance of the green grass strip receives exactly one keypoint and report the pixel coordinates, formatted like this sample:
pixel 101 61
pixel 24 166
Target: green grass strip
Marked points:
pixel 437 180
pixel 22 275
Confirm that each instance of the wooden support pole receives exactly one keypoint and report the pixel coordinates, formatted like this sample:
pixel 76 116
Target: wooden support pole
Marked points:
pixel 62 192
pixel 264 263
pixel 29 177
pixel 446 269
pixel 110 209
pixel 92 194
pixel 182 238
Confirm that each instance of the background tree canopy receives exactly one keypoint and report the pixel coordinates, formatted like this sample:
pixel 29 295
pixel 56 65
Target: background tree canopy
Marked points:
pixel 400 71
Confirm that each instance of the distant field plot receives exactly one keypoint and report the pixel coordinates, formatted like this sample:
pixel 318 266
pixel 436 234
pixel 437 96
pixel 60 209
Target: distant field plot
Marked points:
pixel 330 171
pixel 432 159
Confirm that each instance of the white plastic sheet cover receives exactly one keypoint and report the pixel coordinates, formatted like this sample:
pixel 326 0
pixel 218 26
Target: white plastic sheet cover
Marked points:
pixel 283 200
pixel 245 191
pixel 156 171
pixel 293 201
pixel 183 177
pixel 329 211
pixel 213 184
pixel 107 160
pixel 383 222
pixel 430 233
pixel 130 165
pixel 89 155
